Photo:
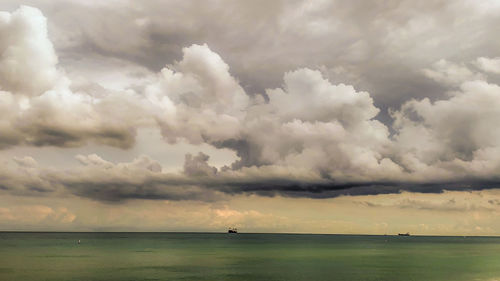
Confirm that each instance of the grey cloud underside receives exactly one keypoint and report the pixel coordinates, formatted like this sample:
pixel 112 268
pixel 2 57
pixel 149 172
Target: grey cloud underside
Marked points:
pixel 107 182
pixel 299 130
pixel 142 178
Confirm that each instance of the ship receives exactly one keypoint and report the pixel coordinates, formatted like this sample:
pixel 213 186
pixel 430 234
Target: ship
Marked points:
pixel 404 234
pixel 232 230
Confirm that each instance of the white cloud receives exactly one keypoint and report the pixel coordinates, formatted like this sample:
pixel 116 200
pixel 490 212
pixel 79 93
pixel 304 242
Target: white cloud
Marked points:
pixel 489 64
pixel 28 60
pixel 197 98
pixel 451 136
pixel 328 128
pixel 38 106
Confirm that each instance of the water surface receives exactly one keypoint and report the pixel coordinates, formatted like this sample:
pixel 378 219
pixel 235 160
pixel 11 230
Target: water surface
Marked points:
pixel 212 256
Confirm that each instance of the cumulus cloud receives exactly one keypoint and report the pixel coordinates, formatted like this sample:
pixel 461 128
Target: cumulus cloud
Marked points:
pixel 383 45
pixel 451 138
pixel 37 104
pixel 307 137
pixel 310 122
pixel 489 64
pixel 198 99
pixel 28 60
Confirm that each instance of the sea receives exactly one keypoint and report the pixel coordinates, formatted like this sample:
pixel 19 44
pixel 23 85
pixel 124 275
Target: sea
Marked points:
pixel 55 256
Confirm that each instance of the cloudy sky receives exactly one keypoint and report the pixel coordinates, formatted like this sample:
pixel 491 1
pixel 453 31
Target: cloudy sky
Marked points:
pixel 271 116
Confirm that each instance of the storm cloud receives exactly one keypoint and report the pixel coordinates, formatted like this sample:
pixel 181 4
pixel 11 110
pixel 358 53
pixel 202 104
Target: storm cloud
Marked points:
pixel 301 125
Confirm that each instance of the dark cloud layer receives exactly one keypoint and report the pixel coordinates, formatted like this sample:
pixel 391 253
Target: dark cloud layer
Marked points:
pixel 142 178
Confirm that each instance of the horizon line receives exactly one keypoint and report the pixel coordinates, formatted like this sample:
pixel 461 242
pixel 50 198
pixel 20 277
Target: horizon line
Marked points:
pixel 213 232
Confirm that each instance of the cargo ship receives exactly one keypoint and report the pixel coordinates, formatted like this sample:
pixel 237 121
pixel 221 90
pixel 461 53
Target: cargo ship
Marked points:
pixel 404 234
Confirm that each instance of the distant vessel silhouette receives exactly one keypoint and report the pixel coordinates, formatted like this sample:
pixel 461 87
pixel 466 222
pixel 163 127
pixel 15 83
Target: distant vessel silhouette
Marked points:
pixel 232 230
pixel 404 234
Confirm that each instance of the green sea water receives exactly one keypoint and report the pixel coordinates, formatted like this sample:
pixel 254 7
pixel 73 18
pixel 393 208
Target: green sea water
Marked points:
pixel 212 256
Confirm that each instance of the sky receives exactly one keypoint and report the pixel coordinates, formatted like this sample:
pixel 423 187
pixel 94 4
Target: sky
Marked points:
pixel 270 116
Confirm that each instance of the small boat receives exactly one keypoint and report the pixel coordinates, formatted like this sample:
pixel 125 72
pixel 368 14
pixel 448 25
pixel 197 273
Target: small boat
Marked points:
pixel 232 230
pixel 404 234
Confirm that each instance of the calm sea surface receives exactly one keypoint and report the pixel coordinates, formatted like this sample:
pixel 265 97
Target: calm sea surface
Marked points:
pixel 210 256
